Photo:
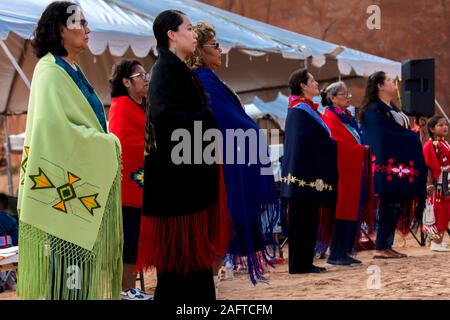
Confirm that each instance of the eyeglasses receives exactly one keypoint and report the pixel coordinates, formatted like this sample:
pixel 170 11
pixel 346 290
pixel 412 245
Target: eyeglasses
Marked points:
pixel 215 45
pixel 347 95
pixel 143 75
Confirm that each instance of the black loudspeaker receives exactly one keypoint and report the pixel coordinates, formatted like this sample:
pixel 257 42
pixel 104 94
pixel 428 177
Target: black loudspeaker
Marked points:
pixel 418 87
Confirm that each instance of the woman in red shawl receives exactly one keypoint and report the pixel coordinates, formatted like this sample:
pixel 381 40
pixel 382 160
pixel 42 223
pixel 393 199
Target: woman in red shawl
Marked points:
pixel 353 172
pixel 437 152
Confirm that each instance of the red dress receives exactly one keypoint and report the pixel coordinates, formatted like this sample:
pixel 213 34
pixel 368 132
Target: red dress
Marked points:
pixel 435 163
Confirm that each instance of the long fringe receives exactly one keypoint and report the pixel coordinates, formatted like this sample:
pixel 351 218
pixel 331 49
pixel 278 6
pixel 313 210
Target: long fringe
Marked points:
pixel 271 213
pixel 367 225
pixel 407 217
pixel 185 243
pixel 255 265
pixel 325 232
pixel 370 205
pixel 51 268
pixel 257 262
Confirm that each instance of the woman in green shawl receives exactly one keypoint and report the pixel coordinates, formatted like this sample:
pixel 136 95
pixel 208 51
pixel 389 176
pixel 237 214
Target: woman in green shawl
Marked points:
pixel 70 229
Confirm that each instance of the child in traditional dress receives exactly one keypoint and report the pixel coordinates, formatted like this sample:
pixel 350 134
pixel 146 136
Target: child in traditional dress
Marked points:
pixel 436 152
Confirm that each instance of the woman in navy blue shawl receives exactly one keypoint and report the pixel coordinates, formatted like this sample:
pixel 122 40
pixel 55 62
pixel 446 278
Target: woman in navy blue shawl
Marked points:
pixel 250 193
pixel 398 163
pixel 310 176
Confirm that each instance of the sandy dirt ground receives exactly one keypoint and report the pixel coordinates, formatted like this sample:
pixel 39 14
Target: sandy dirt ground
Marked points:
pixel 423 275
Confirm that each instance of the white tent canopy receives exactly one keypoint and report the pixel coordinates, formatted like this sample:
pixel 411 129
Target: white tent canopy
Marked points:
pixel 263 58
pixel 277 108
pixel 111 25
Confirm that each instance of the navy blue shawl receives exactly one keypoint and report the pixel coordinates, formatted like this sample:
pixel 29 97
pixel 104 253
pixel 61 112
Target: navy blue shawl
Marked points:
pixel 309 166
pixel 249 193
pixel 398 163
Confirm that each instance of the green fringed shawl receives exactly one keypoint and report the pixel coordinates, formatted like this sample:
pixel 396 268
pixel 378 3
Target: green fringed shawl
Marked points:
pixel 70 216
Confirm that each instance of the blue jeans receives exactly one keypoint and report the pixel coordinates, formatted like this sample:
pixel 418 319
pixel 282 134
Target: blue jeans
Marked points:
pixel 389 214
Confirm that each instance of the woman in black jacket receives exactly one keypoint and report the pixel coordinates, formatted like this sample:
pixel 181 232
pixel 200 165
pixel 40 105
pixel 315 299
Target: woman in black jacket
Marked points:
pixel 185 224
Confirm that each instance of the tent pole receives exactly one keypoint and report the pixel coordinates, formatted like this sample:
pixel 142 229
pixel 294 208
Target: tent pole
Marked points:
pixel 8 157
pixel 15 64
pixel 442 110
pixel 8 141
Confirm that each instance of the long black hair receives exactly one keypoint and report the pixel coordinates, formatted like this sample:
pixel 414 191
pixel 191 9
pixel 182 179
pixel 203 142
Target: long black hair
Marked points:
pixel 47 35
pixel 121 70
pixel 298 77
pixel 165 21
pixel 372 91
pixel 432 122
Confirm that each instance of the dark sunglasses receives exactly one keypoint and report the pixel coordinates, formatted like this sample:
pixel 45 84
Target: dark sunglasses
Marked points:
pixel 215 45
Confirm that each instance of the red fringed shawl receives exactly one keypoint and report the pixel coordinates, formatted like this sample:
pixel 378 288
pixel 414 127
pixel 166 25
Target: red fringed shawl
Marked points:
pixel 354 168
pixel 350 161
pixel 186 243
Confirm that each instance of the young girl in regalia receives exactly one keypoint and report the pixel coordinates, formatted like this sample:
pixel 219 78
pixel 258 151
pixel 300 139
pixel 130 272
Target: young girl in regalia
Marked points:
pixel 437 152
